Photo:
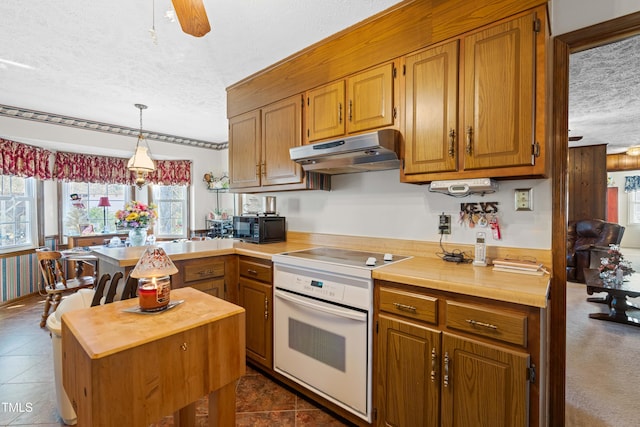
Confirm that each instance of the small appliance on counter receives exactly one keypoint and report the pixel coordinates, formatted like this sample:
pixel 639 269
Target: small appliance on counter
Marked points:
pixel 220 228
pixel 259 228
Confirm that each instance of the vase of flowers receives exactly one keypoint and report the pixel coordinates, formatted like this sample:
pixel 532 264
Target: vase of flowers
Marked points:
pixel 137 217
pixel 614 267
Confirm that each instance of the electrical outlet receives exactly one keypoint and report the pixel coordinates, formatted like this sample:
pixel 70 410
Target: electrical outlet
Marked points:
pixel 444 224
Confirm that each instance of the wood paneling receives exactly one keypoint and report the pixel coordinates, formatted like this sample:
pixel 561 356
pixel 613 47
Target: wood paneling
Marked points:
pixel 587 182
pixel 401 29
pixel 622 162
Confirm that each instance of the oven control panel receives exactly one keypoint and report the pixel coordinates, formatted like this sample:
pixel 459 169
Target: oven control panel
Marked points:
pixel 355 292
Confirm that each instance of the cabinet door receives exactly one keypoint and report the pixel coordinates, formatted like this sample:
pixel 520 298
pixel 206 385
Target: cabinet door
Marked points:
pixel 256 298
pixel 326 111
pixel 499 95
pixel 370 102
pixel 431 107
pixel 281 130
pixel 408 370
pixel 244 150
pixel 483 385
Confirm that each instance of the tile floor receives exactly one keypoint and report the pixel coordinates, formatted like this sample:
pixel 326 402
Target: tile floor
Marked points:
pixel 27 388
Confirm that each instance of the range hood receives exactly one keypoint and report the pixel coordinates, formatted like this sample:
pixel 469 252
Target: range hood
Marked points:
pixel 360 153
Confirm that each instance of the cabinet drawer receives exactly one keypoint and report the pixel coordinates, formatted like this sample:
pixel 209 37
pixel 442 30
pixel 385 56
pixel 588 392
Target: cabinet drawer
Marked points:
pixel 478 320
pixel 212 287
pixel 255 270
pixel 202 269
pixel 407 304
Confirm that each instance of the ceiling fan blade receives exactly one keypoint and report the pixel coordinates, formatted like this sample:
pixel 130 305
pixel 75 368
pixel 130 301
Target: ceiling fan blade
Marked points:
pixel 575 138
pixel 192 16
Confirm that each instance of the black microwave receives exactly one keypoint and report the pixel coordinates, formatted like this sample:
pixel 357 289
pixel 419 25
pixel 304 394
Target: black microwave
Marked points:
pixel 259 229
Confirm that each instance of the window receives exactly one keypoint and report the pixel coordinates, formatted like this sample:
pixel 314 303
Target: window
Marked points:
pixel 18 228
pixel 171 201
pixel 634 207
pixel 80 206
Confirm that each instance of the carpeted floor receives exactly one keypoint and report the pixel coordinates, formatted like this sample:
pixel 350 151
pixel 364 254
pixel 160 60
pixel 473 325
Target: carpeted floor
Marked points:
pixel 603 365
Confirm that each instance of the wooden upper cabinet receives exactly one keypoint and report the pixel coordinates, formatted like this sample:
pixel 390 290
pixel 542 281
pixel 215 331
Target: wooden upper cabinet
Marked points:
pixel 472 108
pixel 431 110
pixel 244 150
pixel 326 111
pixel 281 130
pixel 360 102
pixel 259 143
pixel 370 96
pixel 499 95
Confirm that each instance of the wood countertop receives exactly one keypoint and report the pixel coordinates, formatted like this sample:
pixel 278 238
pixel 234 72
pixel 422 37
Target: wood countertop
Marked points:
pixel 467 279
pixel 427 272
pixel 98 336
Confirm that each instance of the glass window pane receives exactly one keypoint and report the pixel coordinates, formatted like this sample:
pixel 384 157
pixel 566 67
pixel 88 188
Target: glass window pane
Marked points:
pixel 171 201
pixel 17 213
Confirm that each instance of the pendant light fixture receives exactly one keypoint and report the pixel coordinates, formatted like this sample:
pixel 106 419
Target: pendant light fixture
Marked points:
pixel 141 162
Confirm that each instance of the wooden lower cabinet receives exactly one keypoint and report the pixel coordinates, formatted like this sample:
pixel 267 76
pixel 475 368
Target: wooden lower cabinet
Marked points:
pixel 212 275
pixel 405 364
pixel 256 296
pixel 428 374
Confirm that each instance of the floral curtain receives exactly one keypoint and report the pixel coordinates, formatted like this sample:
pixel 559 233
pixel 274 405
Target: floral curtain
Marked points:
pixel 171 172
pixel 631 183
pixel 113 170
pixel 79 167
pixel 24 160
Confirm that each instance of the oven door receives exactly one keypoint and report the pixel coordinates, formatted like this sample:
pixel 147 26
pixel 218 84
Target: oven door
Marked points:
pixel 323 347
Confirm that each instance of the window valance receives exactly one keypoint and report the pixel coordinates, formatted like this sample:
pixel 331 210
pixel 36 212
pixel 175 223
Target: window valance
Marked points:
pixel 79 167
pixel 631 183
pixel 24 160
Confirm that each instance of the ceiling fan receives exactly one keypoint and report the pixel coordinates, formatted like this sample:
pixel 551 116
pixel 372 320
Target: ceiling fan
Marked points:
pixel 192 17
pixel 574 138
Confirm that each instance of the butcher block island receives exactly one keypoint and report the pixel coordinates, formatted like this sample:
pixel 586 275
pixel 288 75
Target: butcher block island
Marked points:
pixel 121 366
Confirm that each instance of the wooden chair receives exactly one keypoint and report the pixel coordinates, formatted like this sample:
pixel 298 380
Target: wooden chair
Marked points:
pixel 129 289
pixel 54 281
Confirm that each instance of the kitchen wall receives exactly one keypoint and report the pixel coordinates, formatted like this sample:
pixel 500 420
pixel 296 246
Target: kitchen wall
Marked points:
pixel 377 204
pixel 569 15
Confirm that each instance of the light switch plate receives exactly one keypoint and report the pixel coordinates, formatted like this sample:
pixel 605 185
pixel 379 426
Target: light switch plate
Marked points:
pixel 524 199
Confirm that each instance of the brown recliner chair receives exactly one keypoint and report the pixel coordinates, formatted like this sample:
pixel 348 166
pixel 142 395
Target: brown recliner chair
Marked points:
pixel 584 235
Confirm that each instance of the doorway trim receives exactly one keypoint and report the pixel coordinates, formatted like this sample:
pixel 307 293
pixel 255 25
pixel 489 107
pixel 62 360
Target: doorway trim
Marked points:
pixel 563 46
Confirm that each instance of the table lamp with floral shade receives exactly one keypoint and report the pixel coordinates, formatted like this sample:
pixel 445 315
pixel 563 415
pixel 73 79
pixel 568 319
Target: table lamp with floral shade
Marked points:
pixel 154 285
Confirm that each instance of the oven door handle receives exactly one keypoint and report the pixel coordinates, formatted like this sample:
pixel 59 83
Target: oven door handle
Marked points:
pixel 322 307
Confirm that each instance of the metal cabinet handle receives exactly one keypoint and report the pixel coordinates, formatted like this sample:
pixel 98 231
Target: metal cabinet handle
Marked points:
pixel 250 271
pixel 405 307
pixel 452 141
pixel 340 112
pixel 264 169
pixel 469 139
pixel 434 361
pixel 184 346
pixel 258 169
pixel 446 369
pixel 486 325
pixel 205 272
pixel 350 110
pixel 266 309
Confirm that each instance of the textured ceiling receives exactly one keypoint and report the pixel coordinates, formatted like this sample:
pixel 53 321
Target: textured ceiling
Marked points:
pixel 95 60
pixel 604 95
